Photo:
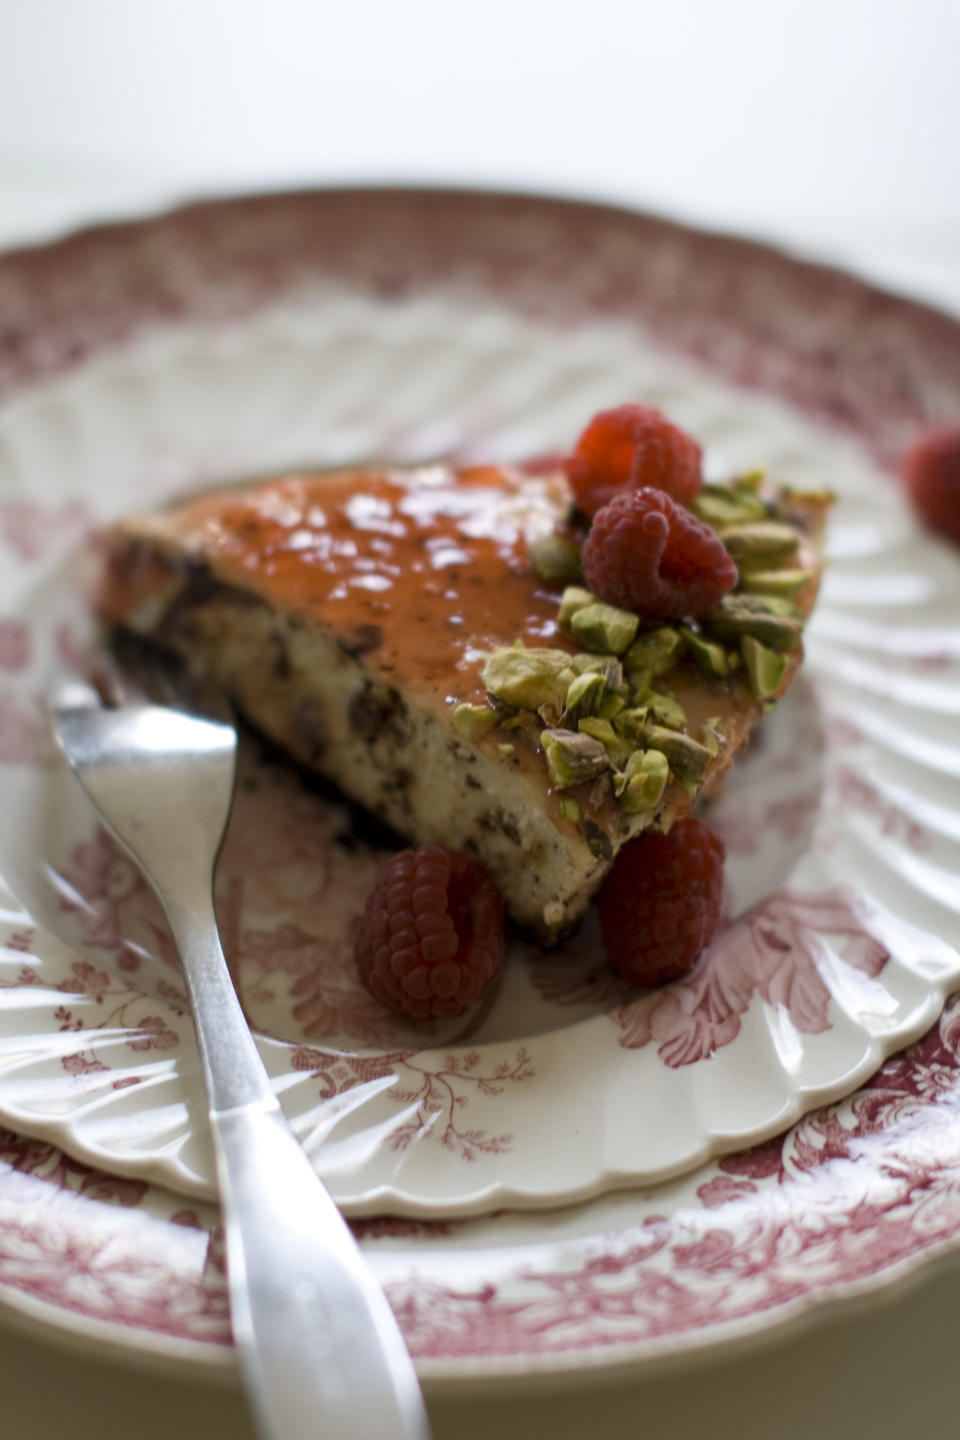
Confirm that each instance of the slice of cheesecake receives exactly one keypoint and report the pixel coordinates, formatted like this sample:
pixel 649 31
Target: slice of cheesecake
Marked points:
pixel 408 634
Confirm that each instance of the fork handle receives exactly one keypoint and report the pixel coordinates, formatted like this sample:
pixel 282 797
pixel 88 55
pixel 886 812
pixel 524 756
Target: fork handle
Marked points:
pixel 320 1350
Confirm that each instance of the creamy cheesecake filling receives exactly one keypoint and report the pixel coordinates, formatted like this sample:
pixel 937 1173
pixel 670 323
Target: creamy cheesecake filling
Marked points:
pixel 349 614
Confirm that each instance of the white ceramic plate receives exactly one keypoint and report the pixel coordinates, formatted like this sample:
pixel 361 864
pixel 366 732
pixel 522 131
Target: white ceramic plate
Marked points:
pixel 240 338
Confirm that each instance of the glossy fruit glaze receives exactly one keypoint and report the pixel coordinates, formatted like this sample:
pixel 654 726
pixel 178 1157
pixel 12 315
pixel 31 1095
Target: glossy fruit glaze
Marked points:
pixel 429 567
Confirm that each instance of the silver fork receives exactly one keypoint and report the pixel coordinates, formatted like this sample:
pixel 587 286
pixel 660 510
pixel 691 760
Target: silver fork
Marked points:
pixel 319 1348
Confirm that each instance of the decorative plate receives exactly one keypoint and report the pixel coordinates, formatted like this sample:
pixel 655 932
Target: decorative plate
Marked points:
pixel 234 338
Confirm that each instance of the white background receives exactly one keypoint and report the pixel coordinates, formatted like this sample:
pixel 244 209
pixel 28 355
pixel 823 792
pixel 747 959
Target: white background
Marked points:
pixel 832 124
pixel 833 127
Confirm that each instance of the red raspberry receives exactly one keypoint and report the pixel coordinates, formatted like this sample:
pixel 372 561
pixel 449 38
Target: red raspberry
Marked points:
pixel 931 473
pixel 431 936
pixel 628 448
pixel 648 555
pixel 660 905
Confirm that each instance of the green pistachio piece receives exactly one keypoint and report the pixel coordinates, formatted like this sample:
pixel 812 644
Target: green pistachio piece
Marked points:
pixel 762 545
pixel 775 582
pixel 522 720
pixel 774 604
pixel 710 734
pixel 527 678
pixel 606 665
pixel 816 495
pixel 573 757
pixel 555 559
pixel 738 615
pixel 506 749
pixel 720 507
pixel 765 667
pixel 750 480
pixel 709 657
pixel 473 721
pixel 632 722
pixel 646 776
pixel 604 627
pixel 569 809
pixel 616 747
pixel 688 759
pixel 654 652
pixel 574 598
pixel 584 695
pixel 599 729
pixel 664 708
pixel 611 705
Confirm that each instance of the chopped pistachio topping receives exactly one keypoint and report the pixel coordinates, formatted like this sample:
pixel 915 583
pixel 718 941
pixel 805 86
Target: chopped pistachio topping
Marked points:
pixel 573 757
pixel 598 715
pixel 765 667
pixel 816 495
pixel 632 722
pixel 762 545
pixel 527 679
pixel 776 582
pixel 522 720
pixel 606 665
pixel 646 776
pixel 473 721
pixel 574 598
pixel 654 652
pixel 738 615
pixel 584 696
pixel 775 604
pixel 720 507
pixel 604 627
pixel 555 559
pixel 664 708
pixel 709 657
pixel 611 705
pixel 616 747
pixel 688 759
pixel 711 735
pixel 506 748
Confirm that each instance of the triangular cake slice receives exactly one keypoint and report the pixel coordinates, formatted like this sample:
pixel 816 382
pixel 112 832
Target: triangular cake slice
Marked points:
pixel 409 634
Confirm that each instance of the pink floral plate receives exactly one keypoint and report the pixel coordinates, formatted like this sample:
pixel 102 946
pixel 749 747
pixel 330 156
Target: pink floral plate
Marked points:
pixel 237 337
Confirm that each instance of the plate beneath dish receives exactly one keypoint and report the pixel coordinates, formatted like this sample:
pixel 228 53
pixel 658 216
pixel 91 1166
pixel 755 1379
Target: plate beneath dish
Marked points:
pixel 285 327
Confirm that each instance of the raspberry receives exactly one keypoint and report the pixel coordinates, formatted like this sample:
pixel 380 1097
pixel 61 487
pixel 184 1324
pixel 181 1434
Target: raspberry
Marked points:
pixel 649 555
pixel 628 448
pixel 431 936
pixel 660 905
pixel 931 474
